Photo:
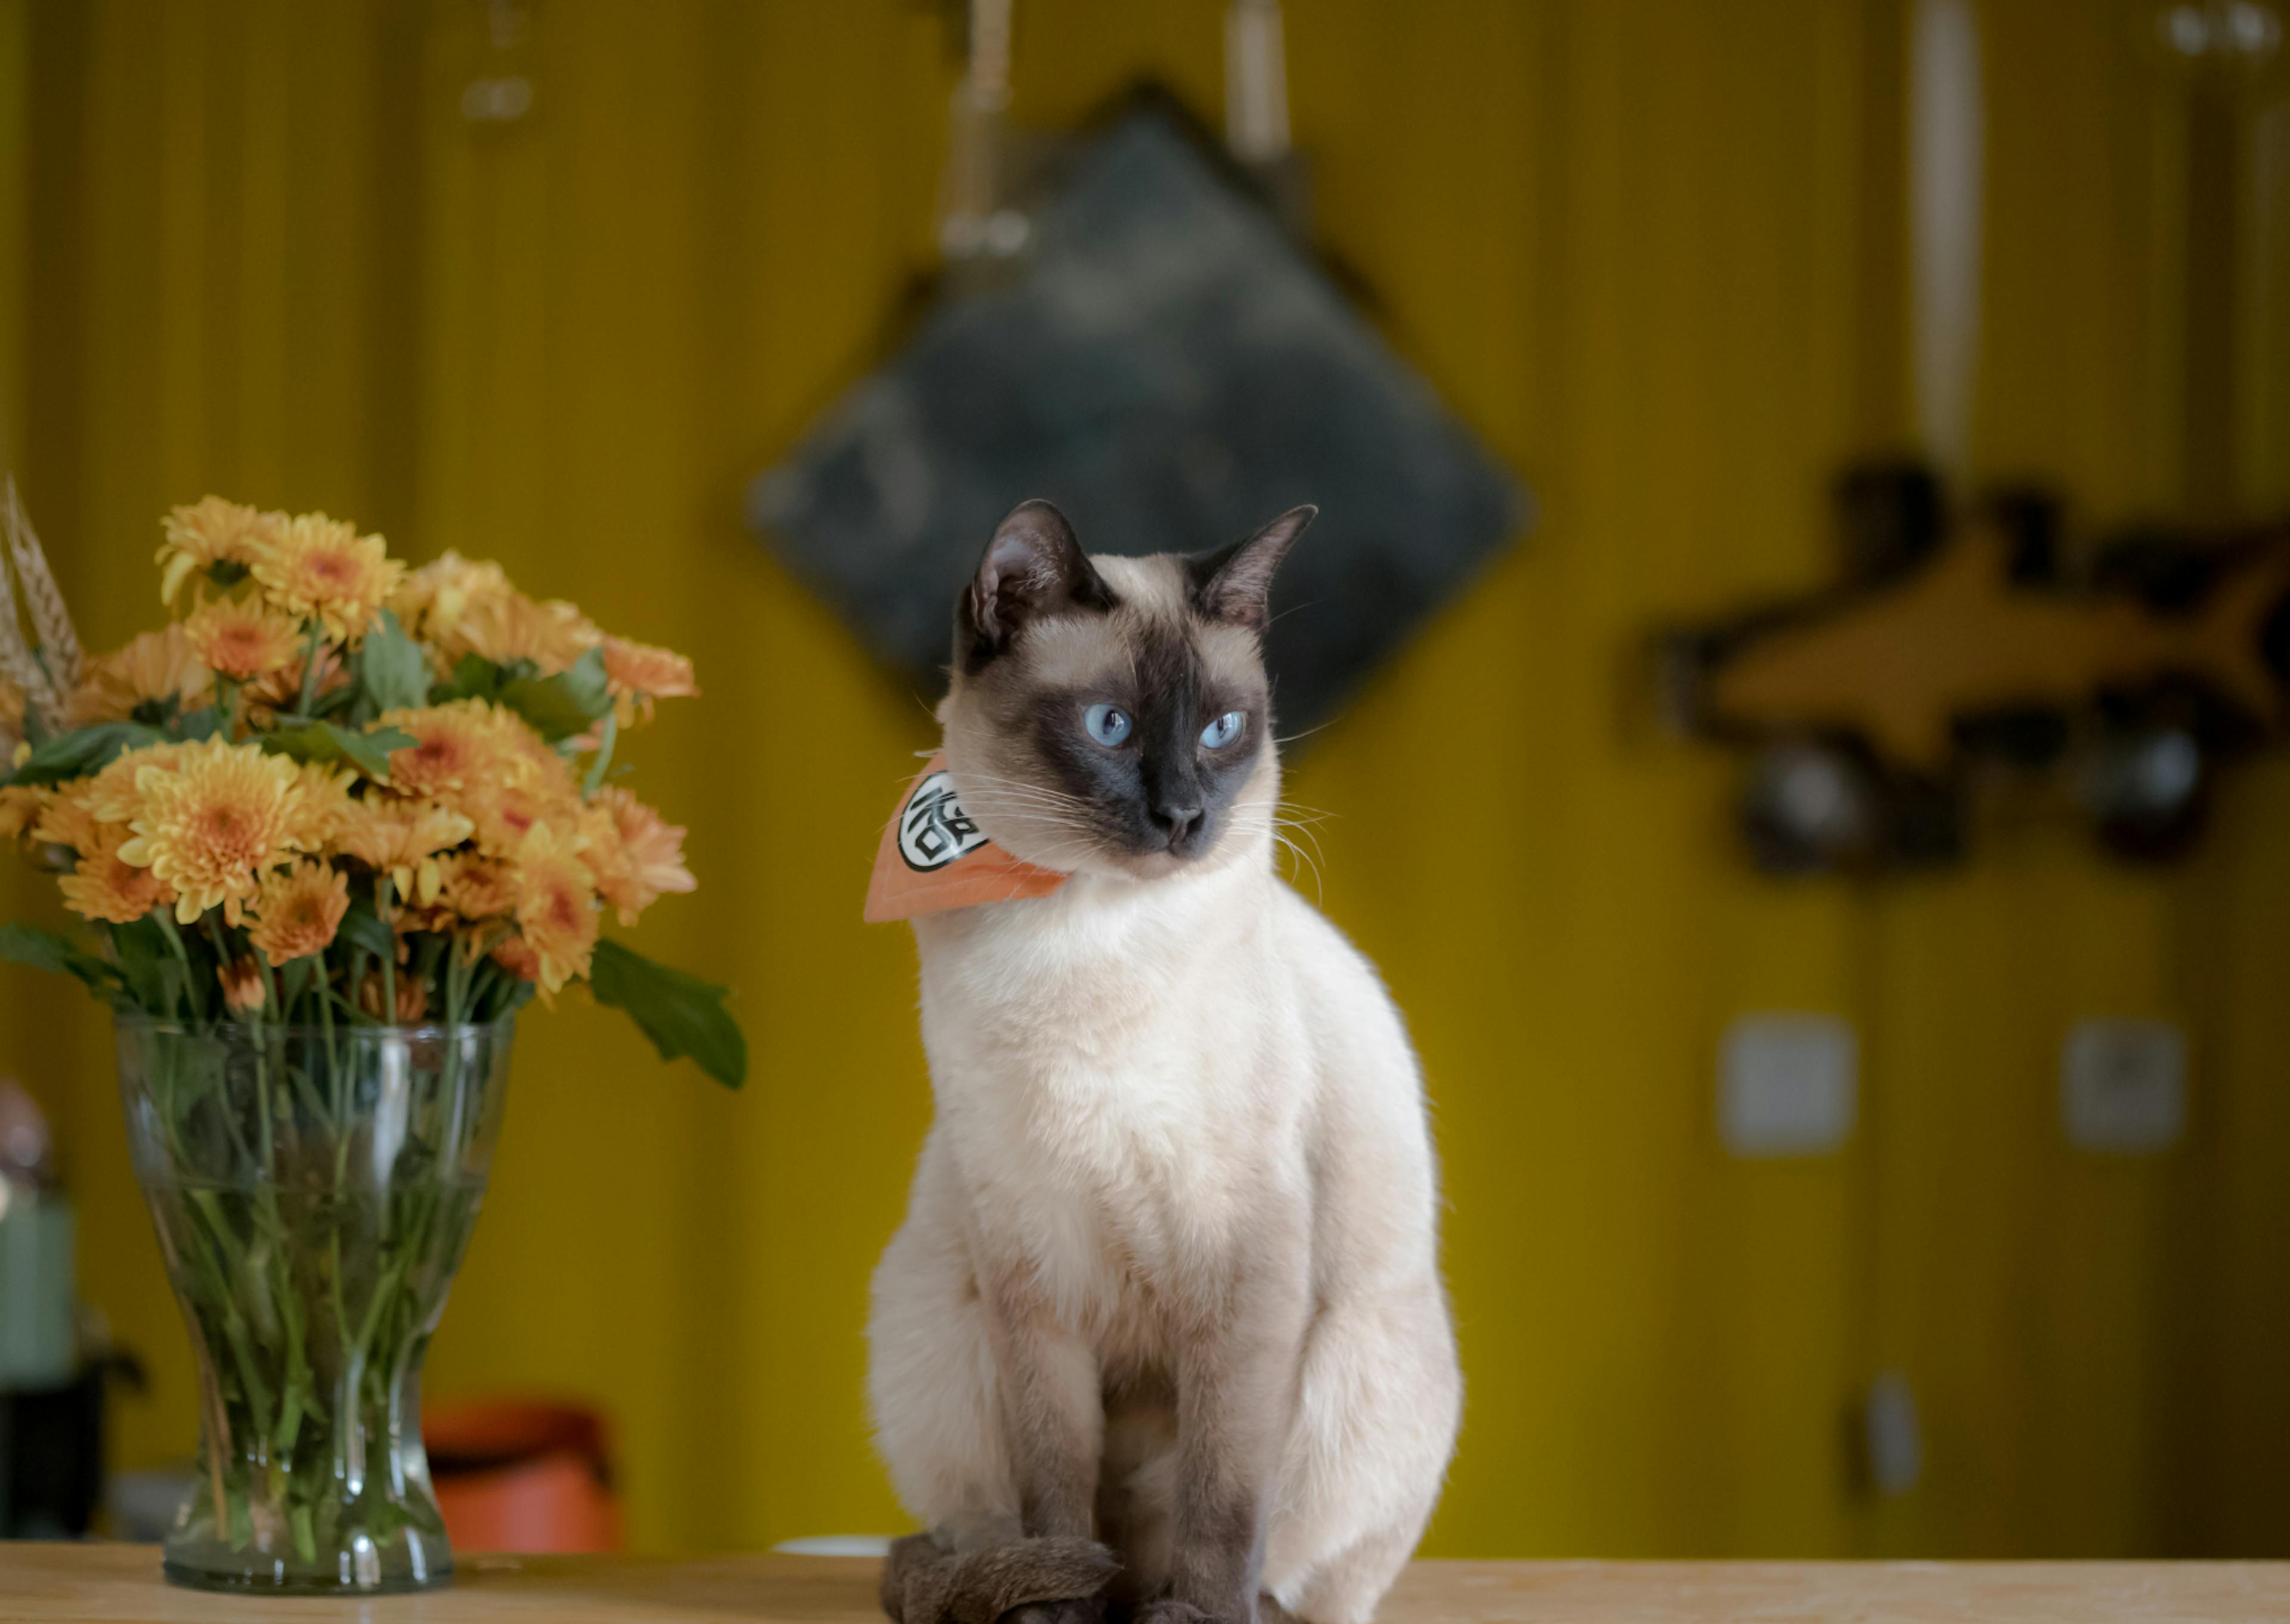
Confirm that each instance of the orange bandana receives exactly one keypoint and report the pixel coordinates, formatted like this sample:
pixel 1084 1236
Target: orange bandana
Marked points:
pixel 933 856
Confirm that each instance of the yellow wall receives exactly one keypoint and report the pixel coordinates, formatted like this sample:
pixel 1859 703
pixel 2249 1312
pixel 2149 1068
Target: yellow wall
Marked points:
pixel 1653 251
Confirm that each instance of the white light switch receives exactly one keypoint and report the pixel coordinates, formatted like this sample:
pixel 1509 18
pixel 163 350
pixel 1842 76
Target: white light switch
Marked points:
pixel 1787 1085
pixel 2123 1086
pixel 1895 1436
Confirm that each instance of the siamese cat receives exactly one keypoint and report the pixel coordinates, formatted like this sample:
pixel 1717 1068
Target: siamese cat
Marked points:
pixel 1163 1330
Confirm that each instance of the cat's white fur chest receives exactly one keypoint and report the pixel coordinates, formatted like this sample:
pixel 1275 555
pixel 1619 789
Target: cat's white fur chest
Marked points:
pixel 1119 1071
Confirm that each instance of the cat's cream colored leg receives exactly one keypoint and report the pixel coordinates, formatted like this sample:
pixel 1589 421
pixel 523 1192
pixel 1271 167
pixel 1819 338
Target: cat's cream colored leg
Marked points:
pixel 931 1378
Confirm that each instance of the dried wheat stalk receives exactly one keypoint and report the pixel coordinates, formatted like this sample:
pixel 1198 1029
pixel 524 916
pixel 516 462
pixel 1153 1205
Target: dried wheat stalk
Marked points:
pixel 60 646
pixel 16 661
pixel 47 676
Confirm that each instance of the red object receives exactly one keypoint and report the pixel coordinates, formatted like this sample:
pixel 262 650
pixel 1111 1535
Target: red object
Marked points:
pixel 520 1475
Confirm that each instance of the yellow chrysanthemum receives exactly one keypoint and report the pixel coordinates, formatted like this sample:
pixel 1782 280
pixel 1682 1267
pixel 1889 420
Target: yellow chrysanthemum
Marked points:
pixel 321 805
pixel 208 532
pixel 320 569
pixel 215 825
pixel 635 853
pixel 242 986
pixel 68 820
pixel 553 634
pixel 459 607
pixel 432 599
pixel 21 807
pixel 403 838
pixel 299 911
pixel 104 885
pixel 245 640
pixel 158 665
pixel 556 907
pixel 112 795
pixel 638 674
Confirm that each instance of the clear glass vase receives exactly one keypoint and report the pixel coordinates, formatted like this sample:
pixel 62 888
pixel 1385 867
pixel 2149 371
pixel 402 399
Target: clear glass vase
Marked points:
pixel 314 1190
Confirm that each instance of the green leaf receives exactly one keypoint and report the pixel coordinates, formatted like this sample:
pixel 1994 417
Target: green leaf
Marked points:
pixel 361 927
pixel 23 944
pixel 391 669
pixel 82 751
pixel 558 707
pixel 681 1013
pixel 476 678
pixel 204 723
pixel 323 742
pixel 141 949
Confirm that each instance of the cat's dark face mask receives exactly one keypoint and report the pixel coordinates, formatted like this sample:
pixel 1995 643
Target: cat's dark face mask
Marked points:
pixel 1114 713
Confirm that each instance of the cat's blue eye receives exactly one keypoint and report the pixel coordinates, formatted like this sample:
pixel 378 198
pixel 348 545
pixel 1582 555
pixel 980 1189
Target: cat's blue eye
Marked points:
pixel 1108 725
pixel 1223 731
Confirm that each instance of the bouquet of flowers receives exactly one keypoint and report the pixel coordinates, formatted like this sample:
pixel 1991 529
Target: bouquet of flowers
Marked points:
pixel 330 829
pixel 333 789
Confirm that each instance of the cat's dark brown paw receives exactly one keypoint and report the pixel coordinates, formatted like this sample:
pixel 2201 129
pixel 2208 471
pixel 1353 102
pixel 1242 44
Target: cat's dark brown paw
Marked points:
pixel 1169 1610
pixel 1091 1609
pixel 1050 1580
pixel 916 1577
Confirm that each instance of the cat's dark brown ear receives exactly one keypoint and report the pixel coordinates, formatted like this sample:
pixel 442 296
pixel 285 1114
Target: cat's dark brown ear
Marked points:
pixel 1236 584
pixel 1031 568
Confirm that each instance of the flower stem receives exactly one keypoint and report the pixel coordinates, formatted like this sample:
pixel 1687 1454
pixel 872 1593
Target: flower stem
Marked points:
pixel 310 668
pixel 603 753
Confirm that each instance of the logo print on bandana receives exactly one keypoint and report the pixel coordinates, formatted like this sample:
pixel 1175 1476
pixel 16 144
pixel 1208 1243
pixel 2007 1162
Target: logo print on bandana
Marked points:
pixel 933 829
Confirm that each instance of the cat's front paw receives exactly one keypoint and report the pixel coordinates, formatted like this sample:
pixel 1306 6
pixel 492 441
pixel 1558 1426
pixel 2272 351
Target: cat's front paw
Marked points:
pixel 1087 1610
pixel 1047 1580
pixel 1062 1576
pixel 1169 1610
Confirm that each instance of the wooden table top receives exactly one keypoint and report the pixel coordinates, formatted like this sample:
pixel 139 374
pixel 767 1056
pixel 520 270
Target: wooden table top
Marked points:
pixel 120 1584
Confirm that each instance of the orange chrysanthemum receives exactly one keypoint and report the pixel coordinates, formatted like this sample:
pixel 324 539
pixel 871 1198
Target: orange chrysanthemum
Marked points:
pixel 556 907
pixel 319 568
pixel 413 998
pixel 159 664
pixel 512 955
pixel 105 886
pixel 271 698
pixel 506 816
pixel 213 826
pixel 208 532
pixel 456 748
pixel 298 911
pixel 638 674
pixel 476 890
pixel 242 986
pixel 635 855
pixel 403 839
pixel 245 640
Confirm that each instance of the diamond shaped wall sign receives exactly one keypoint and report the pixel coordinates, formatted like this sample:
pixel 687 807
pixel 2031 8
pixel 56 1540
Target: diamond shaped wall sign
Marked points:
pixel 1171 369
